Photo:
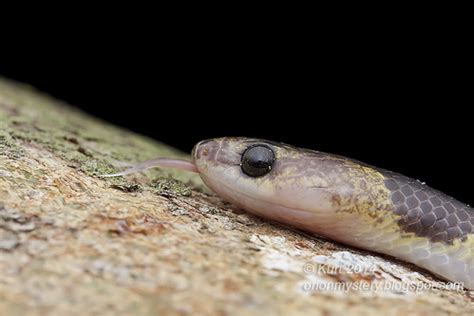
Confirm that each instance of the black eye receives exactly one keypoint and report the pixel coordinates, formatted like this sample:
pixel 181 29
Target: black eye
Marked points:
pixel 257 160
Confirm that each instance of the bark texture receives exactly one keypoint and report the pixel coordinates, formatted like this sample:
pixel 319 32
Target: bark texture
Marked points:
pixel 72 243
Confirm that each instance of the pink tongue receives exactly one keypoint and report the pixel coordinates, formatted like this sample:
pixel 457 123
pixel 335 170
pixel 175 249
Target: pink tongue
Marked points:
pixel 158 162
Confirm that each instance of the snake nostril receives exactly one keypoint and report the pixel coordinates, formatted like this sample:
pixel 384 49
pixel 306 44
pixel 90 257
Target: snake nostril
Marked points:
pixel 196 152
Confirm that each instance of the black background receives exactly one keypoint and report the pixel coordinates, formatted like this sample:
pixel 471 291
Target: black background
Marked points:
pixel 395 101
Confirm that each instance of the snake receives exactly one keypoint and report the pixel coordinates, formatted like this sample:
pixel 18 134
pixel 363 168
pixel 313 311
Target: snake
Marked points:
pixel 338 198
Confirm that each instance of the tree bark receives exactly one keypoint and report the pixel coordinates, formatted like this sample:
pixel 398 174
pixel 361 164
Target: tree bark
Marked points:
pixel 74 243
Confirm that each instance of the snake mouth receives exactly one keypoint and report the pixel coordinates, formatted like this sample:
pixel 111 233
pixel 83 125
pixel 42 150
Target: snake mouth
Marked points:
pixel 229 192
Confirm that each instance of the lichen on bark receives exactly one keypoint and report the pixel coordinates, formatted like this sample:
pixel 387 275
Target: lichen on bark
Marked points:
pixel 72 242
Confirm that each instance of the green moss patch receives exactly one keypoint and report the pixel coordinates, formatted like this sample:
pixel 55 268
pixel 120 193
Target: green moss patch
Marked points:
pixel 170 187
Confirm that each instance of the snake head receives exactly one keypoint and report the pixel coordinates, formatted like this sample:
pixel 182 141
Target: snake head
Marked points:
pixel 271 179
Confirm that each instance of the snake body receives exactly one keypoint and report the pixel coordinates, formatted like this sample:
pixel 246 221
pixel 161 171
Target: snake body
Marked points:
pixel 347 201
pixel 339 198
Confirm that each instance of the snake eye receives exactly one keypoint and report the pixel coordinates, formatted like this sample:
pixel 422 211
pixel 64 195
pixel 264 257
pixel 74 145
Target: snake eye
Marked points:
pixel 257 160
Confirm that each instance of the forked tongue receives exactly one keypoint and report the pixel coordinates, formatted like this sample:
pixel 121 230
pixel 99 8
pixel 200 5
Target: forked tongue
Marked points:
pixel 158 162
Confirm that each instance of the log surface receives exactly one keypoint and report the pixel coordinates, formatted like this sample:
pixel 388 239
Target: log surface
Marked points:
pixel 72 243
